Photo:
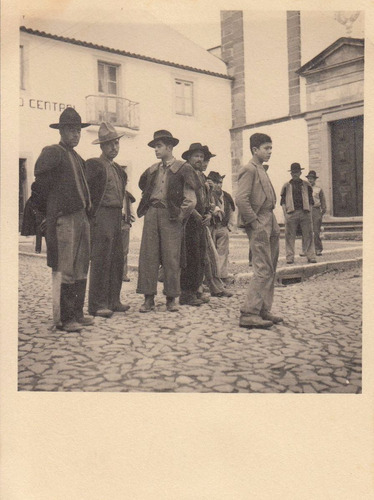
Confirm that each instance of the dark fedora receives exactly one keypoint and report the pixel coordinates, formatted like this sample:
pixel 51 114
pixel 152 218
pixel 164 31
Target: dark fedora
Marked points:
pixel 207 154
pixel 162 134
pixel 312 173
pixel 195 146
pixel 216 176
pixel 69 117
pixel 107 133
pixel 295 167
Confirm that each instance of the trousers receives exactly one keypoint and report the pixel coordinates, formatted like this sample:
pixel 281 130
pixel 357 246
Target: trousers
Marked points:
pixel 264 243
pixel 106 260
pixel 161 244
pixel 221 240
pixel 292 220
pixel 192 275
pixel 317 222
pixel 126 245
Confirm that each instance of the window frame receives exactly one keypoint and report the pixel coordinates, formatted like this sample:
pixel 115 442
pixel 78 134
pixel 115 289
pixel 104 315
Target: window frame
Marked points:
pixel 190 100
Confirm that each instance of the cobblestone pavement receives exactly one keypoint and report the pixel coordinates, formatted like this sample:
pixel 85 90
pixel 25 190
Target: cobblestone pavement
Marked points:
pixel 316 349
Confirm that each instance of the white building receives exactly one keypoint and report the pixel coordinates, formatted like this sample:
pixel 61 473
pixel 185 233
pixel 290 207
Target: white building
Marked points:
pixel 140 76
pixel 299 77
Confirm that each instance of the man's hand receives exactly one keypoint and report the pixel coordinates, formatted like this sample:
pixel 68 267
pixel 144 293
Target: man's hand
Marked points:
pixel 206 220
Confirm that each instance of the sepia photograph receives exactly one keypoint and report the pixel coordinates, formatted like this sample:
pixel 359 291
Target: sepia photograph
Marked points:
pixel 186 276
pixel 191 204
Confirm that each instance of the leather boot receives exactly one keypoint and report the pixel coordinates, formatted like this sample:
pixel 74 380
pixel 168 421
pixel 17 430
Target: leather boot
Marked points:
pixel 80 293
pixel 67 306
pixel 149 304
pixel 171 305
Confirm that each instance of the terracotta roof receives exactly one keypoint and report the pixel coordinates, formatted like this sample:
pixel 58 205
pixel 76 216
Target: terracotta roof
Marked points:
pixel 161 44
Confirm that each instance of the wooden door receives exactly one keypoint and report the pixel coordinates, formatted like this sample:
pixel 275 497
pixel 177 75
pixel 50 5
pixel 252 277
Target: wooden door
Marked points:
pixel 347 166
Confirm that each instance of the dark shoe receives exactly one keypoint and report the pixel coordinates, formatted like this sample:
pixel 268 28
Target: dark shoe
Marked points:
pixel 224 293
pixel 149 304
pixel 254 321
pixel 271 317
pixel 121 308
pixel 72 326
pixel 312 261
pixel 104 313
pixel 125 278
pixel 319 254
pixel 228 280
pixel 171 306
pixel 86 320
pixel 302 254
pixel 190 300
pixel 290 261
pixel 204 298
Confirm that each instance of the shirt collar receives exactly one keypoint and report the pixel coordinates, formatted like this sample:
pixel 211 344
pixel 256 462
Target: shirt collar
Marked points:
pixel 168 163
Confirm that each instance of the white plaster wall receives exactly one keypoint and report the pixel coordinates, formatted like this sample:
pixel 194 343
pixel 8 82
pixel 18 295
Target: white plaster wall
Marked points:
pixel 290 144
pixel 64 73
pixel 266 70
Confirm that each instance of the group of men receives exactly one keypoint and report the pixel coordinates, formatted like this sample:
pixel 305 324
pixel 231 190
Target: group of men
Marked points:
pixel 87 215
pixel 187 218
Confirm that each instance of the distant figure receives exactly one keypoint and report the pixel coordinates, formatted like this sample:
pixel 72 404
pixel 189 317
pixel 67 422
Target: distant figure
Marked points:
pixel 255 199
pixel 107 182
pixel 168 198
pixel 319 210
pixel 223 221
pixel 297 202
pixel 128 218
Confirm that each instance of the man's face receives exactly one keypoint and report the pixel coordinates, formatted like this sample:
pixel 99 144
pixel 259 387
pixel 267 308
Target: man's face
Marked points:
pixel 311 180
pixel 162 150
pixel 263 152
pixel 196 159
pixel 110 149
pixel 218 187
pixel 296 174
pixel 70 135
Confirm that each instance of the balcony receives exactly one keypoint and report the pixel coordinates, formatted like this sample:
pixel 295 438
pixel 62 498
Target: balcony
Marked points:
pixel 118 111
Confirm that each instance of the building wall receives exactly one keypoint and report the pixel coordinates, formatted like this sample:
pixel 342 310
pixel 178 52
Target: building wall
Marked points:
pixel 73 75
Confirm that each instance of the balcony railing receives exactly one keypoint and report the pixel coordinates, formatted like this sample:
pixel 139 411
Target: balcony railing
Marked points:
pixel 116 110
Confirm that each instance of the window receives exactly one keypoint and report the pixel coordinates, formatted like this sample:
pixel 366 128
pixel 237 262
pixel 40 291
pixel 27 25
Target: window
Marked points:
pixel 183 97
pixel 108 78
pixel 22 67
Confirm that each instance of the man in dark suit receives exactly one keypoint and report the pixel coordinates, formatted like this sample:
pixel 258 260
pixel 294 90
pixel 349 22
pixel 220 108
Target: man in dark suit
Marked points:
pixel 60 192
pixel 107 183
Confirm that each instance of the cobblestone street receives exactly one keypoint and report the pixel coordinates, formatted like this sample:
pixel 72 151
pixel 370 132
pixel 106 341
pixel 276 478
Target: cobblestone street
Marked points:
pixel 316 349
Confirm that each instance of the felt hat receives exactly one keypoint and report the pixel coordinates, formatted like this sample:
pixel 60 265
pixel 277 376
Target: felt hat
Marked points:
pixel 195 146
pixel 107 133
pixel 295 167
pixel 162 134
pixel 312 173
pixel 69 117
pixel 207 154
pixel 216 176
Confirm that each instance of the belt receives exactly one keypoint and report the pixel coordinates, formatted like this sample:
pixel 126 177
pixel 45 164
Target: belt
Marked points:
pixel 157 204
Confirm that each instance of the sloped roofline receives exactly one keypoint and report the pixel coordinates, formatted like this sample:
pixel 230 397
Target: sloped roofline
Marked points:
pixel 358 42
pixel 90 45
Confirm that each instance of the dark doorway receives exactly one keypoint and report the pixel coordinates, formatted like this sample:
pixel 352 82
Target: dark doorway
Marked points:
pixel 22 191
pixel 347 166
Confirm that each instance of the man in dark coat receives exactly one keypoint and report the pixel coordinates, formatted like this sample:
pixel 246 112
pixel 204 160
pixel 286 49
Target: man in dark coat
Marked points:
pixel 107 183
pixel 60 192
pixel 168 198
pixel 192 274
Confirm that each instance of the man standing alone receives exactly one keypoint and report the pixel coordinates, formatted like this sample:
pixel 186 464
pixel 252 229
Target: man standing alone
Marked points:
pixel 107 182
pixel 255 199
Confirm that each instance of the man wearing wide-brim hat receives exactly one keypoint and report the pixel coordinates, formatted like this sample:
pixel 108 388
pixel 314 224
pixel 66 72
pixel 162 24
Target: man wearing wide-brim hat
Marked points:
pixel 61 194
pixel 107 182
pixel 297 202
pixel 168 198
pixel 318 211
pixel 192 274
